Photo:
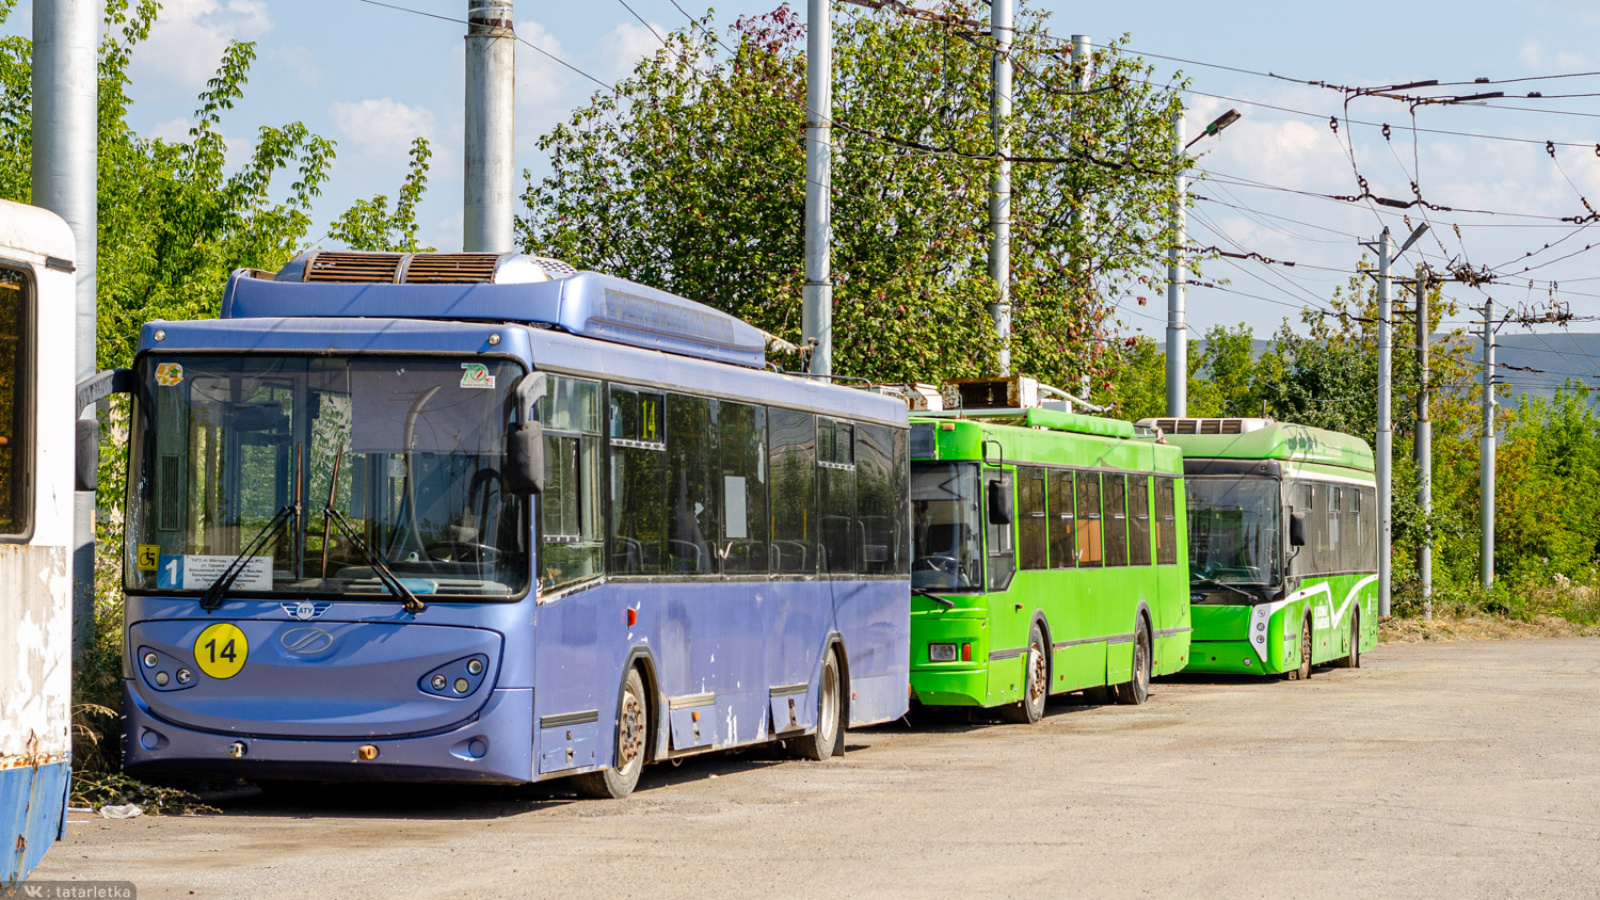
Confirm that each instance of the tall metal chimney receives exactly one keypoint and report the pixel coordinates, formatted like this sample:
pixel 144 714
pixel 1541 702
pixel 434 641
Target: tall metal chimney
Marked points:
pixel 65 173
pixel 491 123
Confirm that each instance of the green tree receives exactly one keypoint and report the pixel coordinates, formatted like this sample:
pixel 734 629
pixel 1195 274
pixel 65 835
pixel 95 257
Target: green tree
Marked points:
pixel 690 178
pixel 369 225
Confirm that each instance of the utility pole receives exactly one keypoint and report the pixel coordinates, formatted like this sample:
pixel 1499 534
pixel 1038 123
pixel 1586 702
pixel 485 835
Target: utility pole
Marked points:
pixel 1000 14
pixel 490 136
pixel 1424 447
pixel 1082 54
pixel 1385 428
pixel 816 315
pixel 65 176
pixel 1177 334
pixel 1486 462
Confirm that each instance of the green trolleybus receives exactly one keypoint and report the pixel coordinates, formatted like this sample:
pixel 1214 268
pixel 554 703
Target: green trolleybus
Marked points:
pixel 1283 545
pixel 1047 558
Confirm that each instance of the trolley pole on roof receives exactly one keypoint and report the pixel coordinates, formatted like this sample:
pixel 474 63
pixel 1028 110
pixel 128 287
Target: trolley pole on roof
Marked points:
pixel 816 313
pixel 1000 30
pixel 1385 427
pixel 1424 447
pixel 487 221
pixel 1486 464
pixel 1082 53
pixel 64 178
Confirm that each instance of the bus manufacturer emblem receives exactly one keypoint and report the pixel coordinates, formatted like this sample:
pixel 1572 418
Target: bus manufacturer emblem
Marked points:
pixel 306 641
pixel 305 610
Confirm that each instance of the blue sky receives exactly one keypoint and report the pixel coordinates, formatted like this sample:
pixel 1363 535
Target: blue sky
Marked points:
pixel 372 78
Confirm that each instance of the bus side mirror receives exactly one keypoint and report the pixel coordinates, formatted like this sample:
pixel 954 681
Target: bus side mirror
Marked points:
pixel 1297 529
pixel 999 503
pixel 524 474
pixel 87 461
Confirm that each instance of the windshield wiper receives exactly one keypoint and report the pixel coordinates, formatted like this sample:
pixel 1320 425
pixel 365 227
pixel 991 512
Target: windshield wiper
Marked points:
pixel 948 604
pixel 212 598
pixel 379 568
pixel 1201 579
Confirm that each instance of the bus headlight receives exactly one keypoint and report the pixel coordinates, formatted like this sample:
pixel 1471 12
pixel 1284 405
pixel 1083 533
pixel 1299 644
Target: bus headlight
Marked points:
pixel 941 652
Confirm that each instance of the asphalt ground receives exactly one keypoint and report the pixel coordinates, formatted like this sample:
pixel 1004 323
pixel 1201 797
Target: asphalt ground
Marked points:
pixel 1436 770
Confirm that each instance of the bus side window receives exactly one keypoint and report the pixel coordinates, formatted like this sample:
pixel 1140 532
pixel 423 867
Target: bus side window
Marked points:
pixel 639 506
pixel 16 360
pixel 836 474
pixel 1033 528
pixel 793 490
pixel 744 489
pixel 880 505
pixel 1062 532
pixel 998 536
pixel 1089 550
pixel 1166 522
pixel 1115 486
pixel 569 522
pixel 693 520
pixel 1139 520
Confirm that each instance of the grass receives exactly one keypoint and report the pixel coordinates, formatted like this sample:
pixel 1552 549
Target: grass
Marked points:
pixel 1526 607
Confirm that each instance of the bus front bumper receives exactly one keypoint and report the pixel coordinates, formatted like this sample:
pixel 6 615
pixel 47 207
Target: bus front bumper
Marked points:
pixel 1228 658
pixel 494 747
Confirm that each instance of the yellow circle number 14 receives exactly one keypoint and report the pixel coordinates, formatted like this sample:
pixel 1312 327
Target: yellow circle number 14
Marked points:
pixel 221 649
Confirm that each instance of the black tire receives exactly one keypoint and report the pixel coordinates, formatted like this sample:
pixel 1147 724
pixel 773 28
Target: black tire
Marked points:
pixel 828 740
pixel 1035 682
pixel 633 733
pixel 1137 690
pixel 1353 661
pixel 1304 672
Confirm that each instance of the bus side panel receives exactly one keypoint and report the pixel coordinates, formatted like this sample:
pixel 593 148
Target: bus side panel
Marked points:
pixel 577 666
pixel 874 620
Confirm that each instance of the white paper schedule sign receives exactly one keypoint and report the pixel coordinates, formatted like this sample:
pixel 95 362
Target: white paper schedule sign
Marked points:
pixel 196 573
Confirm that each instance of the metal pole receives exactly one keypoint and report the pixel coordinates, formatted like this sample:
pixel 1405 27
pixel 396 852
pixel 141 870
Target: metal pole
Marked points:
pixel 816 314
pixel 1082 53
pixel 65 178
pixel 487 224
pixel 1385 427
pixel 1177 333
pixel 1424 447
pixel 1000 13
pixel 1486 465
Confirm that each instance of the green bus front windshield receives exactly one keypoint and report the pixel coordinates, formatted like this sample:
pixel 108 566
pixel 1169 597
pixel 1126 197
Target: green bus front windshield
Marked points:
pixel 1233 530
pixel 392 463
pixel 947 548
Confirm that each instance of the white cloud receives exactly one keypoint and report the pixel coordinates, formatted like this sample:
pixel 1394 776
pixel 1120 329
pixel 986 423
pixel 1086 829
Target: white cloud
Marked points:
pixel 382 126
pixel 546 90
pixel 173 130
pixel 621 48
pixel 1536 55
pixel 301 63
pixel 190 36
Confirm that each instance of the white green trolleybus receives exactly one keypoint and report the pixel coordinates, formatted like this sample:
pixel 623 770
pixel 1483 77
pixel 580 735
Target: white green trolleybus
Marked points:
pixel 1283 545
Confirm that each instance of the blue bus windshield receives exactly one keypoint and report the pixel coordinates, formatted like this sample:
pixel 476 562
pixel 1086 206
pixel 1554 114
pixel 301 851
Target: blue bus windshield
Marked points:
pixel 406 452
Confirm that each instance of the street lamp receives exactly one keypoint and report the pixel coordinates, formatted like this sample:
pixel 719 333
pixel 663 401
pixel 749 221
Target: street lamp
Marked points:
pixel 1177 329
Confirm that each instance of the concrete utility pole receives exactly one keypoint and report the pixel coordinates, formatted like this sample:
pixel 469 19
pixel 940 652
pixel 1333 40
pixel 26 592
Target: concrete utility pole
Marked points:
pixel 65 177
pixel 1177 329
pixel 816 313
pixel 1486 462
pixel 1385 428
pixel 1424 446
pixel 487 223
pixel 1000 15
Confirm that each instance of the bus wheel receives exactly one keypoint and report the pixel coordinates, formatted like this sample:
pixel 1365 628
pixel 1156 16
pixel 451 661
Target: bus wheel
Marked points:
pixel 828 739
pixel 1137 691
pixel 633 729
pixel 1353 661
pixel 1036 683
pixel 1304 672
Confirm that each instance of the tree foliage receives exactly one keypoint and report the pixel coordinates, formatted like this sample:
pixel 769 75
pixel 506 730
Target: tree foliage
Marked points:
pixel 691 177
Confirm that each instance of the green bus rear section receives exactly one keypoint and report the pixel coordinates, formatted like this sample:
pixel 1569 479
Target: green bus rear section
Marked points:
pixel 1224 634
pixel 1089 614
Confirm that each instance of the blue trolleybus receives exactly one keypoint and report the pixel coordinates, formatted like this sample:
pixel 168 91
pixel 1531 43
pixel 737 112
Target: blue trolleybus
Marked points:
pixel 465 517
